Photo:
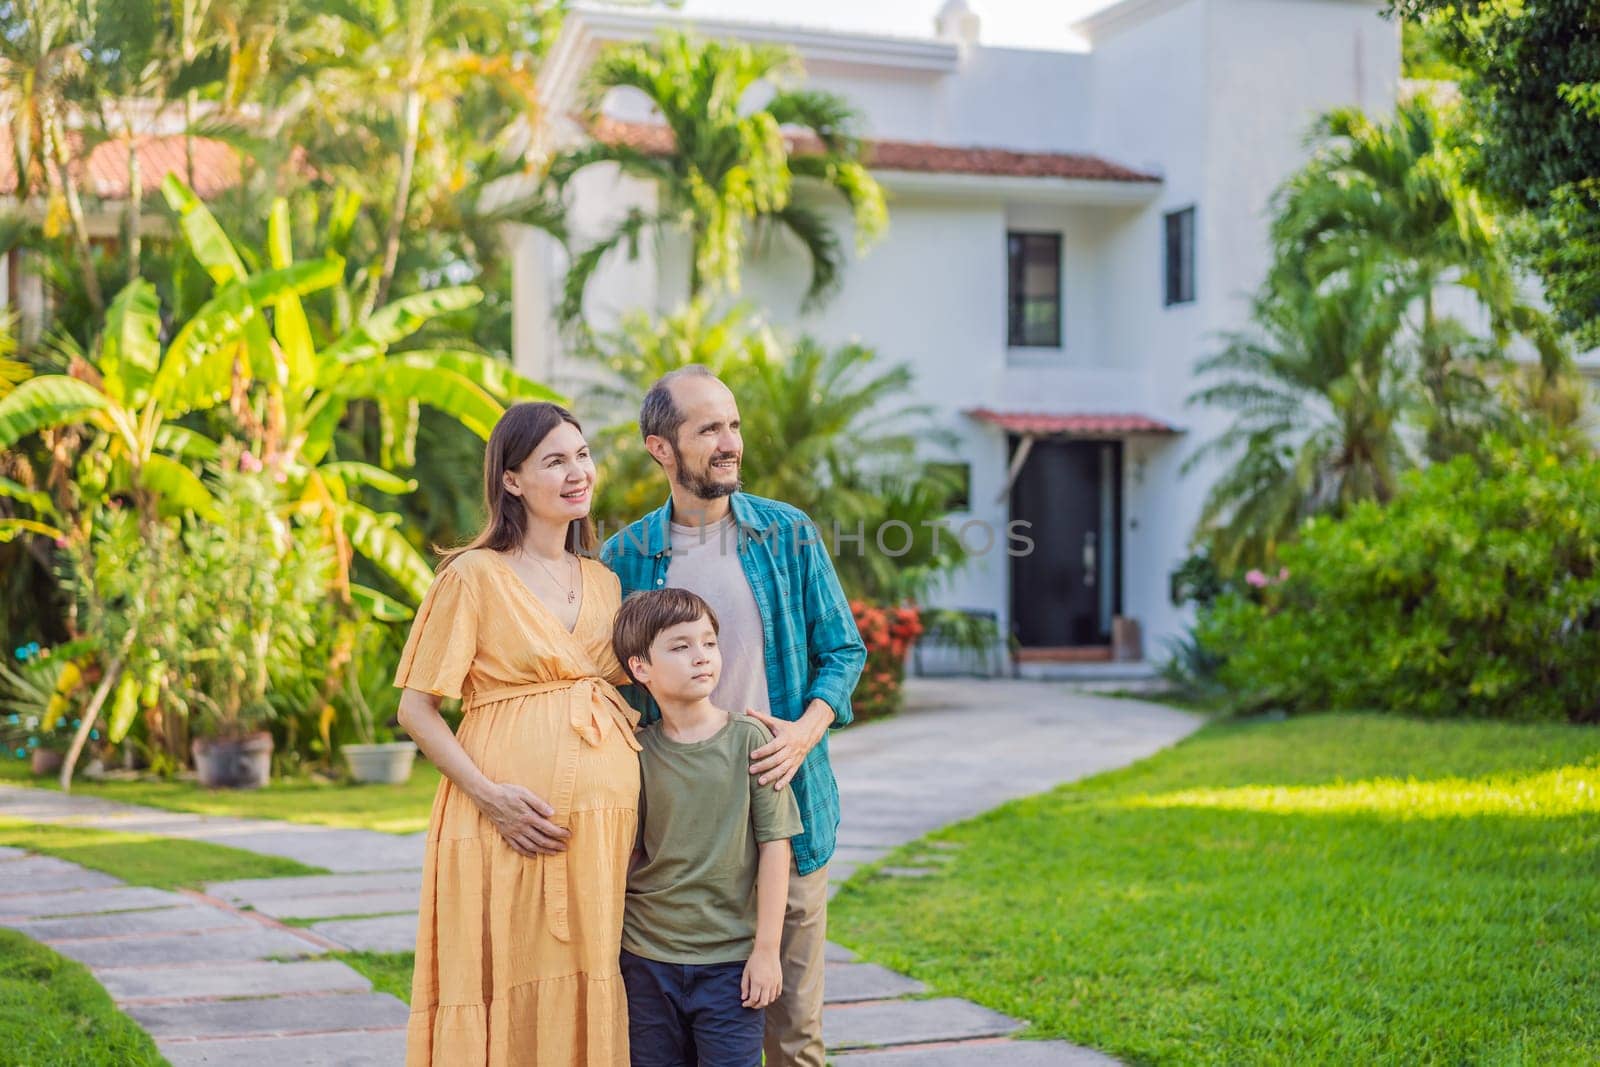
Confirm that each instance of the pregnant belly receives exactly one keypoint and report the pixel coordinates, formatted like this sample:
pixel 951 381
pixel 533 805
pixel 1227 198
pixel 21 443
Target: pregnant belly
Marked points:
pixel 531 742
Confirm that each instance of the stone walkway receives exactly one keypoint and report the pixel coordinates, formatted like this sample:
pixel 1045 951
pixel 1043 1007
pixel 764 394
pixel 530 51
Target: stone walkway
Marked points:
pixel 220 978
pixel 211 984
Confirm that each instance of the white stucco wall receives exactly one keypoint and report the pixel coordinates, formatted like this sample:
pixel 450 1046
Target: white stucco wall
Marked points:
pixel 999 98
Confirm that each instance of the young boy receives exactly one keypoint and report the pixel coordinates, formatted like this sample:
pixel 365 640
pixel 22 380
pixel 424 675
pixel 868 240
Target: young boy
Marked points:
pixel 710 875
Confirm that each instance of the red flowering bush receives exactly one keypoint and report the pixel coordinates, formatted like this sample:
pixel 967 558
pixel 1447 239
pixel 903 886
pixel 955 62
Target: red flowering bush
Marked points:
pixel 888 633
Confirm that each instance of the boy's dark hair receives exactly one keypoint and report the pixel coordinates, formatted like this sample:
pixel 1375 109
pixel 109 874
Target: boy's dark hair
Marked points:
pixel 644 615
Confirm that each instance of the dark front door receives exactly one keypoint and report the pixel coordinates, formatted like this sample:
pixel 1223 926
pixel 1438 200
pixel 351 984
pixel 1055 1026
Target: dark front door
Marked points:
pixel 1065 591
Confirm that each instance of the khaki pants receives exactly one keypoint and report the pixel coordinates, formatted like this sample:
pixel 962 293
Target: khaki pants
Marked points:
pixel 794 1020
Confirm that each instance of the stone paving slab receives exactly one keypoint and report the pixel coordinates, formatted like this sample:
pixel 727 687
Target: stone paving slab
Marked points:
pixel 270 1016
pixel 982 1054
pixel 387 933
pixel 86 902
pixel 844 983
pixel 901 1022
pixel 259 943
pixel 333 850
pixel 247 978
pixel 184 919
pixel 385 1048
pixel 46 874
pixel 257 892
pixel 390 902
pixel 837 954
pixel 906 872
pixel 9 853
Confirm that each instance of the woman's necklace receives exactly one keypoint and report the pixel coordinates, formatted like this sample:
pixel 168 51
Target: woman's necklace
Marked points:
pixel 572 589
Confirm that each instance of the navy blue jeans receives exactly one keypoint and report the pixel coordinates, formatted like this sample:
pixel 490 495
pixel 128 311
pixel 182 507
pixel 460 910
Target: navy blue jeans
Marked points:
pixel 689 1015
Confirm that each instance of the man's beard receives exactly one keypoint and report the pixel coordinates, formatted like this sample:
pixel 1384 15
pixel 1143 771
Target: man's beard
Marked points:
pixel 699 482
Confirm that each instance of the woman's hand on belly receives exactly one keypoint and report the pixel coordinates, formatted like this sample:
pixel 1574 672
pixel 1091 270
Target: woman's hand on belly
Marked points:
pixel 523 819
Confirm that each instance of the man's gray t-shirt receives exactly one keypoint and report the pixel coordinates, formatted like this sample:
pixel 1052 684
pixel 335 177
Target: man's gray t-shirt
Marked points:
pixel 705 561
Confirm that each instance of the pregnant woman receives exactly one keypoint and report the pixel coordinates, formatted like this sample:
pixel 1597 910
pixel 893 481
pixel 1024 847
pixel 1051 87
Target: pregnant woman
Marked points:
pixel 519 936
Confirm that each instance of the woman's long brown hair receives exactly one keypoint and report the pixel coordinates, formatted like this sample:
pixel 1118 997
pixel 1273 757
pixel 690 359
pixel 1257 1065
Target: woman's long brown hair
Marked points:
pixel 520 430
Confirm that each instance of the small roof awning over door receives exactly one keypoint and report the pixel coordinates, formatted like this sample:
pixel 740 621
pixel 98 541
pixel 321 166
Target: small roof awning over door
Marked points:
pixel 1031 425
pixel 1043 424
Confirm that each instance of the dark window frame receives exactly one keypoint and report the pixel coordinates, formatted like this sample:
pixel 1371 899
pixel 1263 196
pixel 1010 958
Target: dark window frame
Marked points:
pixel 1016 317
pixel 960 499
pixel 1178 242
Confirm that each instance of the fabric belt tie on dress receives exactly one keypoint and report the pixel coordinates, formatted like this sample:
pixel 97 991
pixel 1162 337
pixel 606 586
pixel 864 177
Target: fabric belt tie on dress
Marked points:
pixel 594 709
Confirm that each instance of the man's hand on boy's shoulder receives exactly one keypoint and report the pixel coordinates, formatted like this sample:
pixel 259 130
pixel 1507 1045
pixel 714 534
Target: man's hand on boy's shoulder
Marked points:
pixel 763 979
pixel 779 760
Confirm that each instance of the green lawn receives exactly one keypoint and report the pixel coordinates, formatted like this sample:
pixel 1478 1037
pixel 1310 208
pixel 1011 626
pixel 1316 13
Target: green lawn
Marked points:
pixel 140 859
pixel 390 972
pixel 1336 889
pixel 396 809
pixel 52 1012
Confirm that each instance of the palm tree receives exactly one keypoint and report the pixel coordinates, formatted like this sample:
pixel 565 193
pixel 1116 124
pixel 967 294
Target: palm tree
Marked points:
pixel 730 166
pixel 42 66
pixel 827 430
pixel 632 357
pixel 821 424
pixel 400 69
pixel 1320 395
pixel 1397 195
pixel 146 56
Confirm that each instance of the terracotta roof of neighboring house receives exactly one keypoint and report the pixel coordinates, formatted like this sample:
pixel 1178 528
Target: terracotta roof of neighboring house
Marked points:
pixel 1072 425
pixel 655 139
pixel 105 173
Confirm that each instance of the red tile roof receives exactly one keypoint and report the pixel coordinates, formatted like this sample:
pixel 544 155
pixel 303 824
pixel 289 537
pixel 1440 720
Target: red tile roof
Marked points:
pixel 105 173
pixel 1036 423
pixel 656 139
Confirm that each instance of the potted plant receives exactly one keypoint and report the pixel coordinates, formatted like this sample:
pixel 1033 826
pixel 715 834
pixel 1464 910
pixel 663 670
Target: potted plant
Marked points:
pixel 250 582
pixel 383 762
pixel 378 756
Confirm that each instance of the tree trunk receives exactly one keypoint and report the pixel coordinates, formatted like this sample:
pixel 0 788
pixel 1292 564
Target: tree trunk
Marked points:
pixel 188 137
pixel 697 233
pixel 135 206
pixel 1440 425
pixel 411 122
pixel 56 155
pixel 90 714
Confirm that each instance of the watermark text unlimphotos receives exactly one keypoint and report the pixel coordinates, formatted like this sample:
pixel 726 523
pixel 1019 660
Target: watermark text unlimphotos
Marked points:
pixel 893 538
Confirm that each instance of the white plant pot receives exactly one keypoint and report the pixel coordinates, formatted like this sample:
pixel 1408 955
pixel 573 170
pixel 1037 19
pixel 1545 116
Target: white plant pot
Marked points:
pixel 387 764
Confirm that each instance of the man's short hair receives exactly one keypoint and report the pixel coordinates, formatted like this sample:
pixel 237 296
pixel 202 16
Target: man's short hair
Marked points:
pixel 644 615
pixel 659 414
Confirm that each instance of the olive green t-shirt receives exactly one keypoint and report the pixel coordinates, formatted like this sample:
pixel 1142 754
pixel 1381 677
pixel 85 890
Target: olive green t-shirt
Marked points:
pixel 701 815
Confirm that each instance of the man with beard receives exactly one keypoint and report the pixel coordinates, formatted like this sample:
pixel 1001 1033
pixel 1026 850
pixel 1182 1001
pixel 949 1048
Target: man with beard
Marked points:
pixel 791 653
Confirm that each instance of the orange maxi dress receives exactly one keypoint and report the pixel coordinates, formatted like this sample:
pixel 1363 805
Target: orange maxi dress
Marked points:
pixel 517 958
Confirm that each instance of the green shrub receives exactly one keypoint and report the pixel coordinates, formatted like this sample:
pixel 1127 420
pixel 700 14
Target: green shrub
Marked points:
pixel 1473 593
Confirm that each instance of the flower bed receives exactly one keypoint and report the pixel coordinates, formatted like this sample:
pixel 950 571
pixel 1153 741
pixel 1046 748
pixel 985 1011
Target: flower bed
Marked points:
pixel 889 633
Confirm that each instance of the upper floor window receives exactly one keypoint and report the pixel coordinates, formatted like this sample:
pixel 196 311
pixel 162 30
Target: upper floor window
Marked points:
pixel 1180 256
pixel 954 479
pixel 1033 265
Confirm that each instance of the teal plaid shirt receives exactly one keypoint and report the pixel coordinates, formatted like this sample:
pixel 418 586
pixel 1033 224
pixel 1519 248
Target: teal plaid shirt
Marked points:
pixel 813 650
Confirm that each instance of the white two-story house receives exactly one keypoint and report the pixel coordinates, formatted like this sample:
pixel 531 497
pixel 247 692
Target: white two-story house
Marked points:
pixel 1069 232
